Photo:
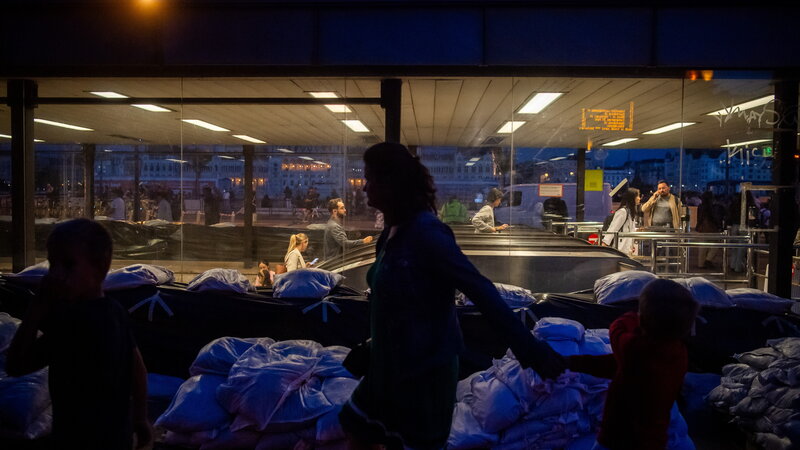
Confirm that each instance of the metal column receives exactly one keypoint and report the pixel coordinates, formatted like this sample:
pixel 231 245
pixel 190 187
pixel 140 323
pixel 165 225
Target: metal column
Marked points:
pixel 89 152
pixel 784 175
pixel 249 205
pixel 22 96
pixel 391 96
pixel 580 185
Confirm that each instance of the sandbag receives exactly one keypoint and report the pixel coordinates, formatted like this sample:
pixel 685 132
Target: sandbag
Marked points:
pixel 227 439
pixel 195 408
pixel 739 373
pixel 758 300
pixel 305 283
pixel 217 357
pixel 137 275
pixel 162 386
pixel 466 432
pixel 23 399
pixel 8 328
pixel 31 275
pixel 221 280
pixel 726 395
pixel 789 347
pixel 620 287
pixel 558 328
pixel 593 345
pixel 759 358
pixel 514 296
pixel 706 293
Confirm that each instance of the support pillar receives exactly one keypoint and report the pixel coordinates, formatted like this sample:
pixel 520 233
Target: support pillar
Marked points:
pixel 580 185
pixel 89 152
pixel 249 205
pixel 22 95
pixel 391 97
pixel 784 175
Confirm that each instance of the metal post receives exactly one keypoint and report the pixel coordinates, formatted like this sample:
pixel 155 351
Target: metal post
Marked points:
pixel 22 96
pixel 784 175
pixel 137 197
pixel 580 184
pixel 391 96
pixel 88 179
pixel 249 207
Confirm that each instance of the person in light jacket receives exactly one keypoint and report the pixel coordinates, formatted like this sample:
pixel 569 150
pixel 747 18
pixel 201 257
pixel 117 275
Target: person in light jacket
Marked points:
pixel 624 222
pixel 483 221
pixel 294 259
pixel 662 209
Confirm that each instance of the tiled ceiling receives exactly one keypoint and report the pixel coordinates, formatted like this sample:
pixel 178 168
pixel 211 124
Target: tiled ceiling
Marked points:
pixel 463 112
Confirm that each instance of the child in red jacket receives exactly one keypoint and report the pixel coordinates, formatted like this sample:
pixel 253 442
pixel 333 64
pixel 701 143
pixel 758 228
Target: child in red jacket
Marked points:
pixel 646 369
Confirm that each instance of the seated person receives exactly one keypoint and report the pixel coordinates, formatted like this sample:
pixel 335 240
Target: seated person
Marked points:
pixel 264 277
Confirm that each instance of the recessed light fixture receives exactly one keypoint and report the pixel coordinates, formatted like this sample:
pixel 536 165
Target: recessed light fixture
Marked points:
pixel 743 106
pixel 9 137
pixel 741 144
pixel 285 150
pixel 177 160
pixel 558 158
pixel 323 94
pixel 356 125
pixel 247 138
pixel 108 94
pixel 226 157
pixel 308 158
pixel 539 102
pixel 619 142
pixel 62 125
pixel 339 108
pixel 469 164
pixel 670 127
pixel 511 126
pixel 319 162
pixel 204 124
pixel 152 108
pixel 475 159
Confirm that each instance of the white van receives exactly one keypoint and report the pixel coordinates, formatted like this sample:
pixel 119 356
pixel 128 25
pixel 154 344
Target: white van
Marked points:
pixel 524 203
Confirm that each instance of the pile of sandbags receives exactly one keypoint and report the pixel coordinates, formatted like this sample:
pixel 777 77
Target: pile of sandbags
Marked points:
pixel 508 407
pixel 762 393
pixel 258 393
pixel 25 409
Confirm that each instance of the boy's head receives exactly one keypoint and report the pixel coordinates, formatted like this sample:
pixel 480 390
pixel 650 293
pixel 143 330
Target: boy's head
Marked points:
pixel 79 252
pixel 666 310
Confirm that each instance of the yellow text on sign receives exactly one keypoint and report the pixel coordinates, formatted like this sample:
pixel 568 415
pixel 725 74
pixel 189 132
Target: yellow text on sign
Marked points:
pixel 607 119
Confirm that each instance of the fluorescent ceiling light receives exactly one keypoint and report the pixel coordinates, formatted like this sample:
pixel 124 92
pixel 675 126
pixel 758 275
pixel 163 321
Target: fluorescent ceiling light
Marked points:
pixel 247 138
pixel 226 157
pixel 152 108
pixel 177 160
pixel 5 136
pixel 320 162
pixel 339 108
pixel 539 102
pixel 743 106
pixel 204 124
pixel 670 127
pixel 356 125
pixel 323 94
pixel 470 164
pixel 541 162
pixel 741 144
pixel 619 142
pixel 307 158
pixel 511 126
pixel 558 158
pixel 285 150
pixel 476 159
pixel 62 125
pixel 108 94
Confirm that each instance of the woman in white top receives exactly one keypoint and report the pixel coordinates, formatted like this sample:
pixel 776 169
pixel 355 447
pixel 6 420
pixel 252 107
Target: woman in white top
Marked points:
pixel 483 220
pixel 294 259
pixel 623 221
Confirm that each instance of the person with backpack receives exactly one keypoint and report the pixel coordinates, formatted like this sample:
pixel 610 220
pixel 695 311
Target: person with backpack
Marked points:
pixel 624 221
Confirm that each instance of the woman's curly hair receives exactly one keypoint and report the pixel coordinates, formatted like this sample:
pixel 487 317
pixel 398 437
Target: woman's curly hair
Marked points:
pixel 408 184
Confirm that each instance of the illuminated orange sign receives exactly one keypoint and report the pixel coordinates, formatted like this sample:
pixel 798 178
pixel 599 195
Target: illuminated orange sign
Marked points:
pixel 607 119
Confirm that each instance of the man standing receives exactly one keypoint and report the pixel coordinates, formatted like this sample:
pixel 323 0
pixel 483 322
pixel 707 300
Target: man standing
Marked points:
pixel 663 209
pixel 335 241
pixel 118 206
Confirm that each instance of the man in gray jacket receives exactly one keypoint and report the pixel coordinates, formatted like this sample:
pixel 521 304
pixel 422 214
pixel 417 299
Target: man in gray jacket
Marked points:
pixel 335 242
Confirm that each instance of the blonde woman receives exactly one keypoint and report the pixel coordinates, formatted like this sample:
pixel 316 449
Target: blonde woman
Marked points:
pixel 294 258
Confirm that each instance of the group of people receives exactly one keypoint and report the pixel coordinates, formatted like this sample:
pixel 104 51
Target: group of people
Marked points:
pixel 408 369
